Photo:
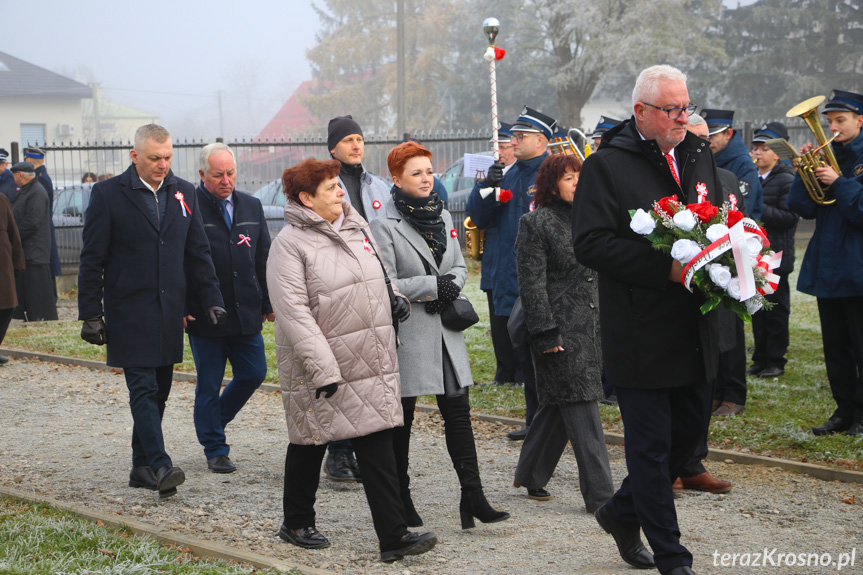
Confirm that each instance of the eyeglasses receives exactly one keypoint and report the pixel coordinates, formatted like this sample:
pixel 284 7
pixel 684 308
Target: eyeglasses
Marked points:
pixel 521 136
pixel 674 113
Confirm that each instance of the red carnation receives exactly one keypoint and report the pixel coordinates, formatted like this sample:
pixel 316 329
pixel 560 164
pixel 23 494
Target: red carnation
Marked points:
pixel 505 196
pixel 704 211
pixel 669 206
pixel 734 216
pixel 499 53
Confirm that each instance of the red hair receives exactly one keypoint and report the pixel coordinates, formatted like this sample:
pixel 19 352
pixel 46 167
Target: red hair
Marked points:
pixel 549 174
pixel 307 176
pixel 399 156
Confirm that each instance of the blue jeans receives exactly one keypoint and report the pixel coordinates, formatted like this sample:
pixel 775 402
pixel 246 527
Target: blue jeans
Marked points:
pixel 212 411
pixel 149 388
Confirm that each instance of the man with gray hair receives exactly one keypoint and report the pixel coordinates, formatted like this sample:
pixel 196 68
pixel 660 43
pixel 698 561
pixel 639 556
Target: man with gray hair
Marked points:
pixel 240 243
pixel 144 241
pixel 660 351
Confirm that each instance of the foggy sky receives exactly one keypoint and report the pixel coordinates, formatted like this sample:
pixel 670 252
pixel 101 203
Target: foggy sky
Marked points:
pixel 171 57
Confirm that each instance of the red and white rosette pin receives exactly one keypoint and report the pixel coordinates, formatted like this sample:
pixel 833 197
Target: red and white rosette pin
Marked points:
pixel 701 189
pixel 245 240
pixel 366 245
pixel 732 199
pixel 453 233
pixel 376 205
pixel 183 205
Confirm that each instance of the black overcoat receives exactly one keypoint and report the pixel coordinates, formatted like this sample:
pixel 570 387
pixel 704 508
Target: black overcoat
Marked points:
pixel 653 333
pixel 32 212
pixel 139 268
pixel 547 268
pixel 240 258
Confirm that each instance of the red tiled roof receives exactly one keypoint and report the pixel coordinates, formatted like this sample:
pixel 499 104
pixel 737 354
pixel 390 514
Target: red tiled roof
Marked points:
pixel 293 117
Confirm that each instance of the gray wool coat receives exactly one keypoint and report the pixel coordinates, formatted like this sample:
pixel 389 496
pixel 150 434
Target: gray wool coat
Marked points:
pixel 422 336
pixel 546 266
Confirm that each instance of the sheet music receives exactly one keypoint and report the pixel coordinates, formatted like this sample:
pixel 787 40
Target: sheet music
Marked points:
pixel 477 165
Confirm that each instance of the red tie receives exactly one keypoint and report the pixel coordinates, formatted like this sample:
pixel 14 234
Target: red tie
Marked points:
pixel 671 167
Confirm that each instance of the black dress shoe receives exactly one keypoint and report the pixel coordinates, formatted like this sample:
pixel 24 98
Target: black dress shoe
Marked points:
pixel 338 468
pixel 3 359
pixel 355 468
pixel 834 425
pixel 755 369
pixel 684 570
pixel 409 544
pixel 518 434
pixel 539 494
pixel 856 429
pixel 628 541
pixel 167 480
pixel 142 476
pixel 771 372
pixel 306 537
pixel 221 464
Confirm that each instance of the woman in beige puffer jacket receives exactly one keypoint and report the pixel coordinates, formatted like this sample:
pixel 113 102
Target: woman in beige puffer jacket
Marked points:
pixel 336 350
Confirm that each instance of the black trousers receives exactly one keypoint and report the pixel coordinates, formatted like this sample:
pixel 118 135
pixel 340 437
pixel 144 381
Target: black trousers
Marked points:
pixel 149 388
pixel 376 459
pixel 5 319
pixel 37 293
pixel 770 328
pixel 662 428
pixel 504 354
pixel 731 380
pixel 842 336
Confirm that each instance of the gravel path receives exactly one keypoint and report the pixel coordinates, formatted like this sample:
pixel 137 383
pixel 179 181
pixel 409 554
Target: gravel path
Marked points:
pixel 66 433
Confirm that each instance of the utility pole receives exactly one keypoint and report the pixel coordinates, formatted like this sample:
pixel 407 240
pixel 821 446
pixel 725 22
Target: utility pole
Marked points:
pixel 400 80
pixel 96 88
pixel 221 119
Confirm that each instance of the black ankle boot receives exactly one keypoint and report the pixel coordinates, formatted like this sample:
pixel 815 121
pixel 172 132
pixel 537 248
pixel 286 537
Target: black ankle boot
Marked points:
pixel 474 504
pixel 412 518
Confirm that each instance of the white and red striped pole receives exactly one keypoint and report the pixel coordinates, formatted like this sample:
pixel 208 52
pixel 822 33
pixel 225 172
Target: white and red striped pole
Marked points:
pixel 491 27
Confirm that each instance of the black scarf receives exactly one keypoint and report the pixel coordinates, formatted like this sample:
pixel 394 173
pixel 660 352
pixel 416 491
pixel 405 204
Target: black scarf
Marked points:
pixel 424 215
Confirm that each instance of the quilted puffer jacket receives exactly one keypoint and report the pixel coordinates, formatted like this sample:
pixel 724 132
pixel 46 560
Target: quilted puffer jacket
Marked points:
pixel 333 325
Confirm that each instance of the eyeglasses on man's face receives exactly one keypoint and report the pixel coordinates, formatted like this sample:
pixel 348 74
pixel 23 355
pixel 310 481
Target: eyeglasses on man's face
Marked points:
pixel 675 113
pixel 520 136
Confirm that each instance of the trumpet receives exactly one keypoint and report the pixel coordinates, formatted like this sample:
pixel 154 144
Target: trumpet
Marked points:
pixel 474 240
pixel 807 163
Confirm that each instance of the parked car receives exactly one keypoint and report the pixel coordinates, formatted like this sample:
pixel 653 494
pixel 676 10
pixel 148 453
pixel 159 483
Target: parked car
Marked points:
pixel 70 205
pixel 273 201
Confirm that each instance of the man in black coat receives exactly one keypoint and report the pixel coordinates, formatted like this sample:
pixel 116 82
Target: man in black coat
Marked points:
pixel 770 327
pixel 143 236
pixel 37 157
pixel 240 243
pixel 35 284
pixel 659 350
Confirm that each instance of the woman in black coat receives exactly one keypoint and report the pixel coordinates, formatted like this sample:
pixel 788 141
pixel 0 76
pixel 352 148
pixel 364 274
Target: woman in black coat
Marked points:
pixel 559 297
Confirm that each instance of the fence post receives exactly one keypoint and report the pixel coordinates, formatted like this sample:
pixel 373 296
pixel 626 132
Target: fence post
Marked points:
pixel 16 149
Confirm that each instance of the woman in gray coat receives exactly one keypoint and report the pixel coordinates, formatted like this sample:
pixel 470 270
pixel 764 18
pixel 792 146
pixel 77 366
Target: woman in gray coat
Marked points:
pixel 564 341
pixel 420 248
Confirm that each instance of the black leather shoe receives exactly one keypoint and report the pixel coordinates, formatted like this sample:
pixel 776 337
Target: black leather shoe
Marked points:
pixel 338 468
pixel 221 464
pixel 756 369
pixel 142 476
pixel 628 541
pixel 771 372
pixel 167 480
pixel 856 429
pixel 306 537
pixel 684 570
pixel 409 544
pixel 539 494
pixel 3 359
pixel 355 467
pixel 518 434
pixel 834 425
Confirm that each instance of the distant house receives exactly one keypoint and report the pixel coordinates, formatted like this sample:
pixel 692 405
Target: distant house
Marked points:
pixel 293 118
pixel 38 106
pixel 117 122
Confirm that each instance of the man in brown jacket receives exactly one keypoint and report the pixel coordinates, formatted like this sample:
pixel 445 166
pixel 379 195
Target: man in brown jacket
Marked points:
pixel 11 259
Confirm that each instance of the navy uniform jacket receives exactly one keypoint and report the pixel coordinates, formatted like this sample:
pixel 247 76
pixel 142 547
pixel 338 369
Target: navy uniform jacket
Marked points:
pixel 833 264
pixel 241 265
pixel 8 185
pixel 735 157
pixel 500 222
pixel 654 335
pixel 134 268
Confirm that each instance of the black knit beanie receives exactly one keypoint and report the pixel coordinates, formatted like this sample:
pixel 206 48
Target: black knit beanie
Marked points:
pixel 340 127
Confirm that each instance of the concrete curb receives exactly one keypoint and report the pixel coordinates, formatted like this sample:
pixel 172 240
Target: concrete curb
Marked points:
pixel 198 547
pixel 817 471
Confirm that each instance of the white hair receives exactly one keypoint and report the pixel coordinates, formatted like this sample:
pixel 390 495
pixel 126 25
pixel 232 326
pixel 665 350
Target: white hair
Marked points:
pixel 647 84
pixel 209 150
pixel 696 120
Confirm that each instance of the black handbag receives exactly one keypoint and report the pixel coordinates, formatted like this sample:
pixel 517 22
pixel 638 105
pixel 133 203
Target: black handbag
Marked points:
pixel 517 326
pixel 457 315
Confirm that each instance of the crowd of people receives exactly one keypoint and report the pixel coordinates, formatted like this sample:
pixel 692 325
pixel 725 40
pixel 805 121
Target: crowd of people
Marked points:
pixel 364 282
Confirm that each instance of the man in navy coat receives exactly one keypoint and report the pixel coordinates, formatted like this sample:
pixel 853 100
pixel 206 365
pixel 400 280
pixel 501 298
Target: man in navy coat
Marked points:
pixel 143 236
pixel 240 243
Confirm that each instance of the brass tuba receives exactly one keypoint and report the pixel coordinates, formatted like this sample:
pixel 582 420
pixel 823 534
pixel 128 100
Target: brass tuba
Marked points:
pixel 820 156
pixel 474 240
pixel 564 145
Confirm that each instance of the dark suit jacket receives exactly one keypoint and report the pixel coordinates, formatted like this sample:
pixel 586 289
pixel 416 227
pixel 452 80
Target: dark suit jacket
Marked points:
pixel 139 267
pixel 653 332
pixel 241 265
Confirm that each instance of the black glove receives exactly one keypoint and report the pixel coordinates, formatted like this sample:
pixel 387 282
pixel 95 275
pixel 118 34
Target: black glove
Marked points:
pixel 495 175
pixel 401 311
pixel 327 390
pixel 94 331
pixel 217 315
pixel 435 306
pixel 446 289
